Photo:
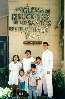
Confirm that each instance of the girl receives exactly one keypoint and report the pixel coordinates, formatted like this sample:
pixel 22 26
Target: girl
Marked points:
pixel 21 80
pixel 14 68
pixel 21 83
pixel 27 63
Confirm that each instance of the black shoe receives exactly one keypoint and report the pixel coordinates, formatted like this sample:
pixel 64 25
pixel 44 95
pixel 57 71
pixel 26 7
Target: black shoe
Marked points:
pixel 45 95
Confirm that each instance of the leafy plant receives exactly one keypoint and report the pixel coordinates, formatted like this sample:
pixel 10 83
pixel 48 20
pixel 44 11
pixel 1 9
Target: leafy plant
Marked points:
pixel 4 72
pixel 58 82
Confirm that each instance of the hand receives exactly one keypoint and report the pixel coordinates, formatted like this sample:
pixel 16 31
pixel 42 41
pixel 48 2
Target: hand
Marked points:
pixel 38 78
pixel 48 72
pixel 28 71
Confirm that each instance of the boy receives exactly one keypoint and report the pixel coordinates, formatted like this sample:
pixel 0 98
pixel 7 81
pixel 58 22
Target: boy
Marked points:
pixel 33 82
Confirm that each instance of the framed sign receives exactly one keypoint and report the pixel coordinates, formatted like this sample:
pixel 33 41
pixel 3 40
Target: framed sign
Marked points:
pixel 30 20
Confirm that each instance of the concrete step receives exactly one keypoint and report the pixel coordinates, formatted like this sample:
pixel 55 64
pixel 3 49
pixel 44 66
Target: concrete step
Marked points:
pixel 42 97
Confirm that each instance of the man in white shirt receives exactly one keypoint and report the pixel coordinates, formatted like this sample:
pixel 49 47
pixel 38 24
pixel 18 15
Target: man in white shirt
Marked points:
pixel 47 61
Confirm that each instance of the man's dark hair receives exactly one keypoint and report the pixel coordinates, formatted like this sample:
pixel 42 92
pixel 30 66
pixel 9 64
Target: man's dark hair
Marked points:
pixel 28 51
pixel 38 58
pixel 33 66
pixel 46 43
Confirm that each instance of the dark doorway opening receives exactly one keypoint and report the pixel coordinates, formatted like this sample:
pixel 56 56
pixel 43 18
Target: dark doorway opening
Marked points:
pixel 4 60
pixel 3 51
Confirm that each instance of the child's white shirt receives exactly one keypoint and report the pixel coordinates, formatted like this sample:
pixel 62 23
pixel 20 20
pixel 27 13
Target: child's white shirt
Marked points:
pixel 40 69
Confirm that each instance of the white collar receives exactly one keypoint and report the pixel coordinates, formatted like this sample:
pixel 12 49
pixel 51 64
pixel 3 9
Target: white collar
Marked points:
pixel 46 50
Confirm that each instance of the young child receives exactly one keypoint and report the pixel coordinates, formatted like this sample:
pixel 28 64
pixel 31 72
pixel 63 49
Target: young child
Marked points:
pixel 14 68
pixel 21 83
pixel 21 80
pixel 33 81
pixel 39 67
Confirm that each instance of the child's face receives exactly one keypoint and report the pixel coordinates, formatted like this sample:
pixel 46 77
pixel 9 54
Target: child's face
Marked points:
pixel 33 70
pixel 21 73
pixel 15 59
pixel 28 55
pixel 38 61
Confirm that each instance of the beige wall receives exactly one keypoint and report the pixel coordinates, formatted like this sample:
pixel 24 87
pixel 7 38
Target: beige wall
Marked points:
pixel 3 27
pixel 16 39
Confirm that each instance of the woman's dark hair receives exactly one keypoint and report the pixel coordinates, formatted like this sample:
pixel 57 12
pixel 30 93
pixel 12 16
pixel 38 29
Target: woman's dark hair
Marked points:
pixel 17 57
pixel 38 58
pixel 28 51
pixel 21 70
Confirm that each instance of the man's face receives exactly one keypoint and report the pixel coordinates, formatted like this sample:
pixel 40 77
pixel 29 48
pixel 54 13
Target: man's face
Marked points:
pixel 28 55
pixel 45 46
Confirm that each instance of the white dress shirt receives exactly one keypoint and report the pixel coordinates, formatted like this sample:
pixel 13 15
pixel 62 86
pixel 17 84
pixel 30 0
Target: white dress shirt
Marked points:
pixel 47 60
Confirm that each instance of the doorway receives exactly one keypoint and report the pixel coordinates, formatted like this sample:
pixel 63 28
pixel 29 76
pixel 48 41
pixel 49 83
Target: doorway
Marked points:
pixel 3 52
